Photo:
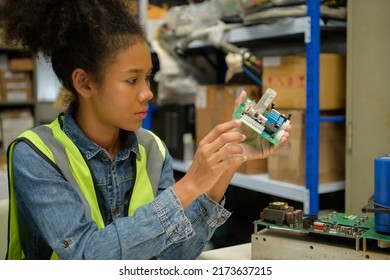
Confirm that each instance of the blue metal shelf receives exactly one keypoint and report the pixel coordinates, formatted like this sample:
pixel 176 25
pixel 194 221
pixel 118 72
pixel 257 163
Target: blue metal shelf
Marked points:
pixel 312 40
pixel 333 119
pixel 313 118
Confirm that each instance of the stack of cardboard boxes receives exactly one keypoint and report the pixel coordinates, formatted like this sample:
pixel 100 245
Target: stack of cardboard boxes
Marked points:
pixel 15 79
pixel 287 75
pixel 15 90
pixel 15 86
pixel 13 123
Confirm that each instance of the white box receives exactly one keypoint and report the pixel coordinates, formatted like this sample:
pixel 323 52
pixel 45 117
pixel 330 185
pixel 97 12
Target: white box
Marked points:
pixel 14 123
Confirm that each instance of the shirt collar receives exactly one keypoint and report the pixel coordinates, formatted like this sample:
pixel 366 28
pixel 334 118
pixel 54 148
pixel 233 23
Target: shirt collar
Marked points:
pixel 90 148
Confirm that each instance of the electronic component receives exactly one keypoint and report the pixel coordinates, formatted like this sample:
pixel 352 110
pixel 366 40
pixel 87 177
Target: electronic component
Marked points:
pixel 279 215
pixel 270 124
pixel 379 202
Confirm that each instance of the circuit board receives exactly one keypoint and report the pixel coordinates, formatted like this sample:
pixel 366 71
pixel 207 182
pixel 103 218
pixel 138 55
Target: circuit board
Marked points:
pixel 335 235
pixel 255 125
pixel 336 224
pixel 270 124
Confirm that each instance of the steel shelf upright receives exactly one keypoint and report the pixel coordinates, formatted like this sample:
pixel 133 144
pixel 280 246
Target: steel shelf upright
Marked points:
pixel 312 40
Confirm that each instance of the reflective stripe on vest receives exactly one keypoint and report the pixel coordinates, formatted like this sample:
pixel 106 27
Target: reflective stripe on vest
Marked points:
pixel 56 147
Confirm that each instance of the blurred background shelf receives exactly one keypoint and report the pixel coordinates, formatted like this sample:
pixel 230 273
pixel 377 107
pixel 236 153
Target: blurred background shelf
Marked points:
pixel 261 183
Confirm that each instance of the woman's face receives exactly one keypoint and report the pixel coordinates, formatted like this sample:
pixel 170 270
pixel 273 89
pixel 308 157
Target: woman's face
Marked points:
pixel 122 99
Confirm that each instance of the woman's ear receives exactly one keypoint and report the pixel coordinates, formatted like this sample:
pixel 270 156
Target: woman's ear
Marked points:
pixel 82 82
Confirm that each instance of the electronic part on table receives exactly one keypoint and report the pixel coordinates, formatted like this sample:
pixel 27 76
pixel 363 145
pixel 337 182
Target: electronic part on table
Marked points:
pixel 279 215
pixel 268 123
pixel 329 236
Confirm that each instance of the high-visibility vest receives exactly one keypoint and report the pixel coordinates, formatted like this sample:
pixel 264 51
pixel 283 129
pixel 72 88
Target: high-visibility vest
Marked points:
pixel 58 149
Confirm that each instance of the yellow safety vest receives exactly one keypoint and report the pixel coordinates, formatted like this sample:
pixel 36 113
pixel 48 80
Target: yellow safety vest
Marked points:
pixel 54 145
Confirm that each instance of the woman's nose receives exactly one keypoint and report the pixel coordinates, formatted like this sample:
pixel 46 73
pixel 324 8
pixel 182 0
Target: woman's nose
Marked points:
pixel 146 93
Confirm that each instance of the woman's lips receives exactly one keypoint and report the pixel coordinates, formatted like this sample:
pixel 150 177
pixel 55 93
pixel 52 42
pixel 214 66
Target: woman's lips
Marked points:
pixel 142 114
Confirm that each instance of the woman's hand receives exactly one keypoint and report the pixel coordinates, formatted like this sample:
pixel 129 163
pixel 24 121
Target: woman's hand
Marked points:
pixel 218 151
pixel 256 146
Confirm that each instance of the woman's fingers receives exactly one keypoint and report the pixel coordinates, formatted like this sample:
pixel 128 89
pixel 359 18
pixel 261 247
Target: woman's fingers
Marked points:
pixel 218 151
pixel 285 136
pixel 222 148
pixel 229 151
pixel 240 99
pixel 218 131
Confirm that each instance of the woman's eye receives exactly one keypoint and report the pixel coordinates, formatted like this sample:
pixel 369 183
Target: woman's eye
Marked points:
pixel 132 81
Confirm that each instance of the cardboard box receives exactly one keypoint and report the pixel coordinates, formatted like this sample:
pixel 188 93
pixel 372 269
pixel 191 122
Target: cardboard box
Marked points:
pixel 12 123
pixel 21 64
pixel 287 76
pixel 289 163
pixel 15 86
pixel 214 105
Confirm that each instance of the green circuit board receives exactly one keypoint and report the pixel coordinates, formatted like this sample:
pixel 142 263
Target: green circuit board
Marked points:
pixel 239 114
pixel 337 224
pixel 268 123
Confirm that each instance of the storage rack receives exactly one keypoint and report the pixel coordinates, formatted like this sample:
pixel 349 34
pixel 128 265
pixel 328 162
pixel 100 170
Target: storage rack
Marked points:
pixel 309 26
pixel 261 183
pixel 16 51
pixel 313 118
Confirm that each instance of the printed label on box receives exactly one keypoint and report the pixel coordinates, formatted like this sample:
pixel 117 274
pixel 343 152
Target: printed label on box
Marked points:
pixel 271 61
pixel 17 96
pixel 201 98
pixel 16 85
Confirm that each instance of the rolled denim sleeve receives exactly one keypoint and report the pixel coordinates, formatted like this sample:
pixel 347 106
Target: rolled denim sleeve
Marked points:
pixel 204 215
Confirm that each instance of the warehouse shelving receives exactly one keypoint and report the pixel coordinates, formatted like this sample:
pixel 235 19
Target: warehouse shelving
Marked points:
pixel 285 27
pixel 16 51
pixel 262 183
pixel 310 26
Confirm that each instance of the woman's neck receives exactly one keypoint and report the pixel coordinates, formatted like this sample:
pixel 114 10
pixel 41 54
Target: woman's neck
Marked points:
pixel 104 136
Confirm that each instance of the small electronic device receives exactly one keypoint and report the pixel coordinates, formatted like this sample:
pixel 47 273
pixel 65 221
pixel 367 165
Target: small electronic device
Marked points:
pixel 335 235
pixel 334 223
pixel 379 202
pixel 266 121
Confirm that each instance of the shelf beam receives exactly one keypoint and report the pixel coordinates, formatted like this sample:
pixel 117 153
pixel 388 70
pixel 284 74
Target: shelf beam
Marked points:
pixel 261 183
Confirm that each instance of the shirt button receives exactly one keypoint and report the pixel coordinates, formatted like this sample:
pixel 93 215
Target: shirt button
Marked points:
pixel 65 244
pixel 221 220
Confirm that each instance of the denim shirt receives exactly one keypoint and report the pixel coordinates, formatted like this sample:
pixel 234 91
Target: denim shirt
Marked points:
pixel 51 214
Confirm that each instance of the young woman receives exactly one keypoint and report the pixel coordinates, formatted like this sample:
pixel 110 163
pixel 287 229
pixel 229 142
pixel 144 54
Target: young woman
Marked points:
pixel 93 184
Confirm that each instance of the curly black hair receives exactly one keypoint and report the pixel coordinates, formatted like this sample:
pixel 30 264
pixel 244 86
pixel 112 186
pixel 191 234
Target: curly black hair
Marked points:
pixel 72 34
